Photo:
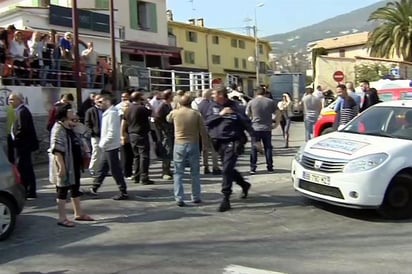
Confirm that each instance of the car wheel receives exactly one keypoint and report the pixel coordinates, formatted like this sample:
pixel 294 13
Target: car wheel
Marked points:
pixel 8 214
pixel 397 203
pixel 327 130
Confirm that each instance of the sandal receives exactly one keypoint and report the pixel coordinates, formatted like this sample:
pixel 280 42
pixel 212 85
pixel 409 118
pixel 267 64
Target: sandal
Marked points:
pixel 84 218
pixel 66 223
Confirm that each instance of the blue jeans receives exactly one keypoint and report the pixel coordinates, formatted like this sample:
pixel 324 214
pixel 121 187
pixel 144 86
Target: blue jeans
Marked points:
pixel 182 154
pixel 309 124
pixel 266 138
pixel 90 75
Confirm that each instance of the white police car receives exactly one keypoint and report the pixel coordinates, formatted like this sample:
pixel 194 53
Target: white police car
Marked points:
pixel 366 164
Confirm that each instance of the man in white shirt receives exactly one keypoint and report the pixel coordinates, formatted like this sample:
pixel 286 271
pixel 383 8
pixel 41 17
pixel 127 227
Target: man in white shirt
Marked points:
pixel 312 106
pixel 109 144
pixel 156 101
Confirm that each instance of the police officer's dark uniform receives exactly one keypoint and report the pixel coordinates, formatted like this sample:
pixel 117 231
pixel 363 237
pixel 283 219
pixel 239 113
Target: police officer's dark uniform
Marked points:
pixel 227 133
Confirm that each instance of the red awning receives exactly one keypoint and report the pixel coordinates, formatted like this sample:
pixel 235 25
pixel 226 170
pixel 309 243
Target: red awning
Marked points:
pixel 150 52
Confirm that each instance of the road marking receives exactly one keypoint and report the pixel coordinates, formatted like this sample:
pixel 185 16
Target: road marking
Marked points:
pixel 238 269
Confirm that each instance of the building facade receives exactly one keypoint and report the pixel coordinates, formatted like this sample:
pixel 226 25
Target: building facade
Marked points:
pixel 141 37
pixel 222 53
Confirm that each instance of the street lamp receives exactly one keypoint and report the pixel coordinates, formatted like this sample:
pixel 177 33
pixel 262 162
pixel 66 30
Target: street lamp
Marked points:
pixel 255 30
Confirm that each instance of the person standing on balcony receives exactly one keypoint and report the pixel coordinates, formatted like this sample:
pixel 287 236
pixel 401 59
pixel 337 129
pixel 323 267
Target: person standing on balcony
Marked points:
pixel 18 51
pixel 66 59
pixel 36 45
pixel 48 51
pixel 90 57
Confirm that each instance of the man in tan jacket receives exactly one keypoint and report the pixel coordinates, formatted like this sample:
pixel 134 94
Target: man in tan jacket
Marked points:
pixel 188 126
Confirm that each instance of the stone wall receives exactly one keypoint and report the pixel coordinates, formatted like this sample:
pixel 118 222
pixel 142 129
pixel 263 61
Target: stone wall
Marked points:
pixel 40 156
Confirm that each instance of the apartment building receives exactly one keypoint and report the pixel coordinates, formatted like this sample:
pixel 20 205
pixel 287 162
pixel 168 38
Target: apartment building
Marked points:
pixel 220 52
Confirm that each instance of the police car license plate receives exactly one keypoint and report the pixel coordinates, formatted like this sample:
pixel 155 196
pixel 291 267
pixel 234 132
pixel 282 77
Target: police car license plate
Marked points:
pixel 316 178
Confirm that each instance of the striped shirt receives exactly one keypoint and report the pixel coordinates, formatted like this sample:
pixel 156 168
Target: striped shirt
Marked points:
pixel 349 110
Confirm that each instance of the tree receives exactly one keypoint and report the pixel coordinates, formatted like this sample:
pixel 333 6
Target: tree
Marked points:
pixel 371 72
pixel 393 37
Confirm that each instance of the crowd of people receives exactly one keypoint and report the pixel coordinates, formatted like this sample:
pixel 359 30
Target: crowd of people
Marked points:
pixel 349 104
pixel 108 139
pixel 45 59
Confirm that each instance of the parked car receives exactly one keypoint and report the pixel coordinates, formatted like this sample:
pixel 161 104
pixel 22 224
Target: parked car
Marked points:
pixel 12 196
pixel 351 167
pixel 324 124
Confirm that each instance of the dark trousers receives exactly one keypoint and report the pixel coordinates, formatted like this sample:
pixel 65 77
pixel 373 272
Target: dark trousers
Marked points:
pixel 167 139
pixel 266 138
pixel 25 168
pixel 10 149
pixel 229 157
pixel 110 161
pixel 126 157
pixel 141 154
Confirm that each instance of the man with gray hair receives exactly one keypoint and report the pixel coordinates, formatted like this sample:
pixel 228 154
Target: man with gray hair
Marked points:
pixel 24 142
pixel 188 126
pixel 199 98
pixel 202 107
pixel 312 106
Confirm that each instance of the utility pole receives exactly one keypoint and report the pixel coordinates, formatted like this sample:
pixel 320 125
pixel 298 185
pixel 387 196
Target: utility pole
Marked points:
pixel 256 55
pixel 77 72
pixel 113 41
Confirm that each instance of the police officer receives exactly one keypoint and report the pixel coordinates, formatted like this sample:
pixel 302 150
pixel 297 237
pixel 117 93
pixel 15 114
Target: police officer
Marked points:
pixel 226 126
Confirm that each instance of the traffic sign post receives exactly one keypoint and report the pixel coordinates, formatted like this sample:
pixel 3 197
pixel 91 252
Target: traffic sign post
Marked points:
pixel 338 76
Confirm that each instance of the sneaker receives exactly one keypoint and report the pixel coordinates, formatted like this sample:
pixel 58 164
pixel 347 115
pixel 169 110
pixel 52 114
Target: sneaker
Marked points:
pixel 217 171
pixel 224 205
pixel 245 190
pixel 121 196
pixel 180 203
pixel 252 172
pixel 206 170
pixel 91 192
pixel 167 177
pixel 147 182
pixel 197 201
pixel 270 169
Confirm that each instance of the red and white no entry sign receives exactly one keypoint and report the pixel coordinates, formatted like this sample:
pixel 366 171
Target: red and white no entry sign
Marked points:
pixel 338 76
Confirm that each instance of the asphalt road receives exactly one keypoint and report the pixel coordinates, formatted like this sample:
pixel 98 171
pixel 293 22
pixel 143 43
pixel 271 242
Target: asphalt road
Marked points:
pixel 275 230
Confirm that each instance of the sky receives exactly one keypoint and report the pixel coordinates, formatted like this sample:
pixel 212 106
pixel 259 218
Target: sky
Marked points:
pixel 276 16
